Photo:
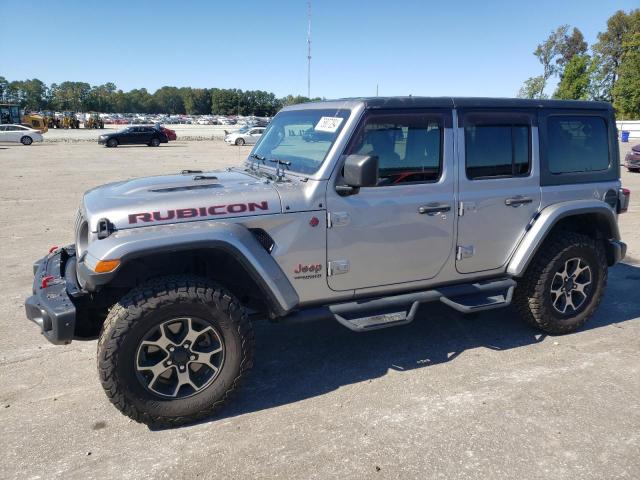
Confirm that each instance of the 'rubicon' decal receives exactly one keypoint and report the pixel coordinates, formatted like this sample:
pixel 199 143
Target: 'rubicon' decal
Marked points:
pixel 214 210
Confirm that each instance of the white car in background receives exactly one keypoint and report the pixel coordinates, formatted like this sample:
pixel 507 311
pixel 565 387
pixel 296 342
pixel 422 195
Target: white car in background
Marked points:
pixel 244 136
pixel 19 133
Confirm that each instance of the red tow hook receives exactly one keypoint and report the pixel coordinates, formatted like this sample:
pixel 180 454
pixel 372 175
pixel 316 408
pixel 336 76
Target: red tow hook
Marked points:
pixel 46 280
pixel 52 249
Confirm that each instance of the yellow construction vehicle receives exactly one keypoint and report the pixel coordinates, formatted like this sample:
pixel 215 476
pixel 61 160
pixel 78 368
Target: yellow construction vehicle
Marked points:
pixel 36 121
pixel 69 120
pixel 94 121
pixel 51 120
pixel 10 113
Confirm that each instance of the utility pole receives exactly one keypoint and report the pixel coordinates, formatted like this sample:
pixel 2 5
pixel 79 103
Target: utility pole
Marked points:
pixel 309 49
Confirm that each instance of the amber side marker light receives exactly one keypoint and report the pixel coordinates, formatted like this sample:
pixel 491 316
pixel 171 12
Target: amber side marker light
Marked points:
pixel 106 266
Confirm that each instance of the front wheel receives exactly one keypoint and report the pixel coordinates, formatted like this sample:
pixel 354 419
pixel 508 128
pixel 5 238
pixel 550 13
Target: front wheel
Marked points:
pixel 112 143
pixel 155 142
pixel 564 284
pixel 173 350
pixel 26 140
pixel 240 142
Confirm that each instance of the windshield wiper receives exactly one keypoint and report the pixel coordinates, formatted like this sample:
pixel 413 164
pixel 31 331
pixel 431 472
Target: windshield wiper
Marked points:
pixel 281 167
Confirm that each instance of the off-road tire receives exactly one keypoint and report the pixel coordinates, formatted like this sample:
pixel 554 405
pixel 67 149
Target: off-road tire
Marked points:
pixel 240 142
pixel 532 297
pixel 112 143
pixel 150 304
pixel 26 140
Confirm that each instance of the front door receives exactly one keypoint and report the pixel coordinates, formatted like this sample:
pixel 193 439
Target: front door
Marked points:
pixel 402 229
pixel 499 186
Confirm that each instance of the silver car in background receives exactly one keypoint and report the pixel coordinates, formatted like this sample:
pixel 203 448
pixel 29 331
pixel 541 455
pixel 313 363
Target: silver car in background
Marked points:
pixel 245 136
pixel 19 133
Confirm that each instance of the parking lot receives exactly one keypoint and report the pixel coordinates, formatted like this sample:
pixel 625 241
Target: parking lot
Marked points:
pixel 447 396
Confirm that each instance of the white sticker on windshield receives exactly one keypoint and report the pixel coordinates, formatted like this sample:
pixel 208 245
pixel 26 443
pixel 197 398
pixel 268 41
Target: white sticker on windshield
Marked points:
pixel 328 124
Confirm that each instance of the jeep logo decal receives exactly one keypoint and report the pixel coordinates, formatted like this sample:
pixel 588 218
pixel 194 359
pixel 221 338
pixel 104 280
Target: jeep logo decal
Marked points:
pixel 304 272
pixel 197 212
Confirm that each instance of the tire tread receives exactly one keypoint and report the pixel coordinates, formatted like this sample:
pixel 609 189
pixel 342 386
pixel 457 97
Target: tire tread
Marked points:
pixel 152 295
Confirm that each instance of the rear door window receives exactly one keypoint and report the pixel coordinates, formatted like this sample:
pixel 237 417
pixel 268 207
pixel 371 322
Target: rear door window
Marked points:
pixel 497 151
pixel 577 144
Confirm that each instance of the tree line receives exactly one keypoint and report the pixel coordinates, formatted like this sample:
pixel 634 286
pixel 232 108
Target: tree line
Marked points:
pixel 35 95
pixel 609 70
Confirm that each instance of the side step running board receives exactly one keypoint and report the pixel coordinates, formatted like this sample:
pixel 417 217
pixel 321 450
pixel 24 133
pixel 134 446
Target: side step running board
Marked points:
pixel 375 313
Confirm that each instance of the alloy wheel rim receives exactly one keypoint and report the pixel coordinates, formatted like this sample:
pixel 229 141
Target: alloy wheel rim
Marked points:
pixel 571 286
pixel 179 357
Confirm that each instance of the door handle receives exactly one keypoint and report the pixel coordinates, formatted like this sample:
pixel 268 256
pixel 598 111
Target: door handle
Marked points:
pixel 433 208
pixel 517 201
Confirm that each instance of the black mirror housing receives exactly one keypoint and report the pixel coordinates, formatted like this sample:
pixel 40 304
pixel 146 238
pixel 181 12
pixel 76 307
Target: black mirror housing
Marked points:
pixel 361 170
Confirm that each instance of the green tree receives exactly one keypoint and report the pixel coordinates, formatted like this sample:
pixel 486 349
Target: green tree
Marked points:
pixel 226 101
pixel 169 100
pixel 569 46
pixel 575 81
pixel 73 96
pixel 533 88
pixel 608 52
pixel 139 100
pixel 626 91
pixel 197 101
pixel 33 94
pixel 4 86
pixel 293 100
pixel 547 53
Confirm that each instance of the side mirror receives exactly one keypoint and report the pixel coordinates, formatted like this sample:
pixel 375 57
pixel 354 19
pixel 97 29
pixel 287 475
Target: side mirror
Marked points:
pixel 360 171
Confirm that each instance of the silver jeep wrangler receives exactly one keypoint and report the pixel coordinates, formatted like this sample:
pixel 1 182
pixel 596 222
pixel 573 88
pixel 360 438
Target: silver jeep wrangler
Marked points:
pixel 356 210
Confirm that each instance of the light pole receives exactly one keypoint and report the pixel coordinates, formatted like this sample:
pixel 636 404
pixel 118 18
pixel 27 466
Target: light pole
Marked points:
pixel 309 49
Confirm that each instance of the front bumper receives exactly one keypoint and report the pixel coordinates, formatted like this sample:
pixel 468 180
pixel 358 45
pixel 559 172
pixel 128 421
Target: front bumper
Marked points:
pixel 53 308
pixel 102 141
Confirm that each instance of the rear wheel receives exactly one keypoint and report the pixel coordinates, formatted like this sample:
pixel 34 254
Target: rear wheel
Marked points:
pixel 173 350
pixel 563 286
pixel 240 142
pixel 112 143
pixel 26 140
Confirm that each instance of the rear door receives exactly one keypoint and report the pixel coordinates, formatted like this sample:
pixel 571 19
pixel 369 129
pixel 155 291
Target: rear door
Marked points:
pixel 499 185
pixel 143 135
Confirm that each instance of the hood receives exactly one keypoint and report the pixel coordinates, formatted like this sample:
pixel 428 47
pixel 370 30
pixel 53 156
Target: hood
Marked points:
pixel 179 198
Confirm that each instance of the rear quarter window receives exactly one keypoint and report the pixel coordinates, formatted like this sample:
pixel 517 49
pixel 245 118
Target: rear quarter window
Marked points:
pixel 577 143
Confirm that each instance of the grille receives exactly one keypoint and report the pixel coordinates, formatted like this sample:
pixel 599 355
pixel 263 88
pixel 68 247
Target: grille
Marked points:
pixel 263 238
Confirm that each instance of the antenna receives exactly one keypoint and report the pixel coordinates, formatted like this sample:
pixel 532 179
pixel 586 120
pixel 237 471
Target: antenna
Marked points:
pixel 309 49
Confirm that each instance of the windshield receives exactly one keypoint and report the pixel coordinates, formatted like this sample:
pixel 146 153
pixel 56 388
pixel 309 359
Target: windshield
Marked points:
pixel 302 137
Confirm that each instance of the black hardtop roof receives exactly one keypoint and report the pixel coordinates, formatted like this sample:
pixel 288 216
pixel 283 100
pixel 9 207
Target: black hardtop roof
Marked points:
pixel 477 102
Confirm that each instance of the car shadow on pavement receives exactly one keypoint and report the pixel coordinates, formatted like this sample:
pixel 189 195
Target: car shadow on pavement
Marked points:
pixel 297 362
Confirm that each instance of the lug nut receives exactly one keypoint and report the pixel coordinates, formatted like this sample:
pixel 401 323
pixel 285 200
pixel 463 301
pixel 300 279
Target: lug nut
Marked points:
pixel 182 368
pixel 186 344
pixel 193 357
pixel 169 362
pixel 171 349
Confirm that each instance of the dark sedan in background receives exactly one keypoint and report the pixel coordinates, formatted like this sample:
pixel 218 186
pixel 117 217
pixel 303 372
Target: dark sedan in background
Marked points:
pixel 135 135
pixel 632 160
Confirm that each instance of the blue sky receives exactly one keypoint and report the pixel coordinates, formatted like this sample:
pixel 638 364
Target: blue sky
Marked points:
pixel 428 47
